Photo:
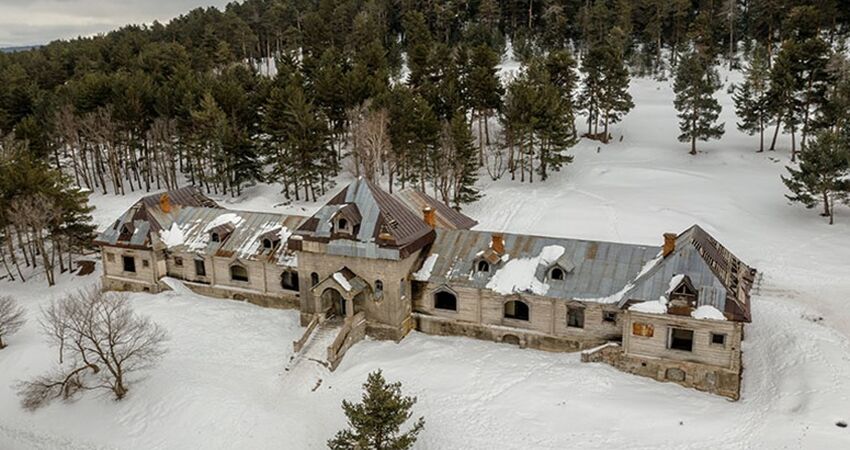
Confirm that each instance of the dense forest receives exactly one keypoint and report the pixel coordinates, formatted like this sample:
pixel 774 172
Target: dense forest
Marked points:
pixel 405 91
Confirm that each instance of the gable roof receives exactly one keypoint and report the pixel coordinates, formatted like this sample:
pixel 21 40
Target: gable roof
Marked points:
pixel 380 213
pixel 447 217
pixel 721 279
pixel 597 270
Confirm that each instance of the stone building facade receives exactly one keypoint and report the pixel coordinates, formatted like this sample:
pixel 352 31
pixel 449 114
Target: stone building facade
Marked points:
pixel 405 261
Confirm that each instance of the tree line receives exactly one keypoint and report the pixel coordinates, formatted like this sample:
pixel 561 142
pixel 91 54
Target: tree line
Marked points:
pixel 409 92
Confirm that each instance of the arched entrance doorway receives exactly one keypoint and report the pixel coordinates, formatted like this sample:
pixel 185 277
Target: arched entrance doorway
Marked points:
pixel 332 300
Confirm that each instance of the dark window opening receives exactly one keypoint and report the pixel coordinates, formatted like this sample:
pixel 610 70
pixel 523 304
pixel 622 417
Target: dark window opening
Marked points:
pixel 129 264
pixel 681 339
pixel 178 261
pixel 379 286
pixel 110 257
pixel 445 300
pixel 238 273
pixel 343 224
pixel 516 309
pixel 483 266
pixel 267 243
pixel 609 316
pixel 557 274
pixel 314 278
pixel 575 317
pixel 145 263
pixel 718 339
pixel 289 280
pixel 215 237
pixel 200 268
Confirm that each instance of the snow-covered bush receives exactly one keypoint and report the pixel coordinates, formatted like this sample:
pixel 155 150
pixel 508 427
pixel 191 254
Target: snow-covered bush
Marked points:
pixel 101 343
pixel 11 318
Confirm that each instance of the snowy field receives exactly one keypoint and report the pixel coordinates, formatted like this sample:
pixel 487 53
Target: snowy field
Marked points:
pixel 224 382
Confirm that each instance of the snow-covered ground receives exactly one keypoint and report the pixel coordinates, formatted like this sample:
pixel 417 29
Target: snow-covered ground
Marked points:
pixel 225 384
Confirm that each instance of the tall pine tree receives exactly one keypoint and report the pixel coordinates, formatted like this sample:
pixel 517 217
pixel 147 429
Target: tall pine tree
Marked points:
pixel 695 85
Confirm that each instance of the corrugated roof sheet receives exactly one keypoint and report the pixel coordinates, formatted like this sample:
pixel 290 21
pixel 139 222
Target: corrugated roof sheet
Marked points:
pixel 447 217
pixel 595 270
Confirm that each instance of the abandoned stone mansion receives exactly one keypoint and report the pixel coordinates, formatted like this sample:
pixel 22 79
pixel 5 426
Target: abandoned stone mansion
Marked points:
pixel 373 263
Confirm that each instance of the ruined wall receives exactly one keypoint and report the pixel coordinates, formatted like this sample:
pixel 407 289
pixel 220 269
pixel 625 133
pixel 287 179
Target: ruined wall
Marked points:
pixel 704 351
pixel 387 313
pixel 117 279
pixel 703 377
pixel 480 314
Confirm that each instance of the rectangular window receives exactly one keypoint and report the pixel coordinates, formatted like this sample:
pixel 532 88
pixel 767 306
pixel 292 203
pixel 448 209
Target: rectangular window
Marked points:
pixel 110 257
pixel 609 316
pixel 402 288
pixel 718 339
pixel 200 268
pixel 178 261
pixel 129 264
pixel 681 339
pixel 643 329
pixel 145 263
pixel 575 317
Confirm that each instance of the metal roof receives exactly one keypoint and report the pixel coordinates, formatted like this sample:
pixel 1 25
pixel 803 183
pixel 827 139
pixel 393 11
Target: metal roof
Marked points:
pixel 447 217
pixel 595 270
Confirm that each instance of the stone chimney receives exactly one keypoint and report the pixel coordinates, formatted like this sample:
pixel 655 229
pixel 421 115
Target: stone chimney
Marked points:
pixel 669 244
pixel 497 243
pixel 165 203
pixel 429 216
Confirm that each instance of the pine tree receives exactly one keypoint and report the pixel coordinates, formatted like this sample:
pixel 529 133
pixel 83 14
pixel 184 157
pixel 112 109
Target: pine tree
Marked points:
pixel 751 99
pixel 376 422
pixel 614 99
pixel 695 85
pixel 484 91
pixel 822 177
pixel 464 163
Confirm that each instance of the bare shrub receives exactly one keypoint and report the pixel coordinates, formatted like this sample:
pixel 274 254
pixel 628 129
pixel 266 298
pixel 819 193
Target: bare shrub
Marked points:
pixel 11 318
pixel 101 343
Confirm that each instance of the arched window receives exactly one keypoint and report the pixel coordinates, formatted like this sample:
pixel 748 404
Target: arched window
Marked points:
pixel 557 273
pixel 314 279
pixel 516 309
pixel 238 273
pixel 215 237
pixel 267 243
pixel 483 266
pixel 445 300
pixel 289 280
pixel 379 286
pixel 343 224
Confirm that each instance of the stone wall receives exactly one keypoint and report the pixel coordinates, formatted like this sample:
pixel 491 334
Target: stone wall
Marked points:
pixel 481 314
pixel 703 377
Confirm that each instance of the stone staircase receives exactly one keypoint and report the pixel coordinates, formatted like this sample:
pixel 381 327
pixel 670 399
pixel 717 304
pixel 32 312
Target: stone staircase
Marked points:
pixel 309 364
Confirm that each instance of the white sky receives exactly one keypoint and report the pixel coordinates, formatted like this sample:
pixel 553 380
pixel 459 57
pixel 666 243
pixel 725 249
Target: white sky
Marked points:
pixel 29 22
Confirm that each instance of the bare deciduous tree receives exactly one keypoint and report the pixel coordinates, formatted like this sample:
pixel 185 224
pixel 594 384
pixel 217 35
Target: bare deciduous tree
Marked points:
pixel 101 343
pixel 370 140
pixel 11 318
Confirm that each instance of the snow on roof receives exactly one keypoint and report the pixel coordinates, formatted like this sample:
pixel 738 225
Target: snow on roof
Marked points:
pixel 654 307
pixel 343 282
pixel 173 236
pixel 519 275
pixel 707 312
pixel 424 273
pixel 224 219
pixel 675 282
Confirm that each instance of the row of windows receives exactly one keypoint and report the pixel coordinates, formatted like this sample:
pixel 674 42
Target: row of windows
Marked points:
pixel 555 274
pixel 677 338
pixel 128 263
pixel 519 310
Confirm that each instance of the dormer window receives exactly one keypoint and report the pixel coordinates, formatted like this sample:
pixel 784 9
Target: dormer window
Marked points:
pixel 557 274
pixel 267 243
pixel 215 237
pixel 483 266
pixel 342 224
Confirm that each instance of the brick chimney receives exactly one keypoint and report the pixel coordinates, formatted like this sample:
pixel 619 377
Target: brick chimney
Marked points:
pixel 165 203
pixel 497 243
pixel 429 216
pixel 669 244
